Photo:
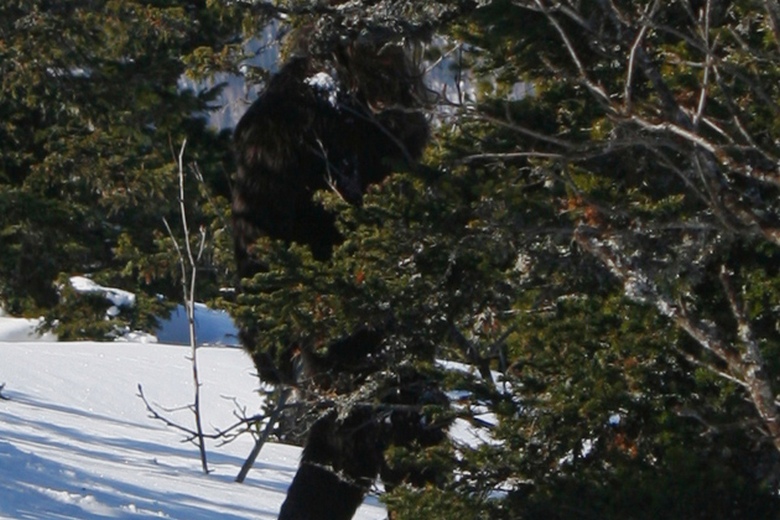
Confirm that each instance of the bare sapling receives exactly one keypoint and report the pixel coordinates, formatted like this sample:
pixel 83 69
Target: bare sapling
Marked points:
pixel 188 263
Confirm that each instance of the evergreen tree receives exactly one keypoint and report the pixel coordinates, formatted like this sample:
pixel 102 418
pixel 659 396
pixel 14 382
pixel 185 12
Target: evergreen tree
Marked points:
pixel 600 249
pixel 92 113
pixel 594 238
pixel 636 186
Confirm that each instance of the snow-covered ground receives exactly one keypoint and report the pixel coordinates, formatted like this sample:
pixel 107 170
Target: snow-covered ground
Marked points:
pixel 77 443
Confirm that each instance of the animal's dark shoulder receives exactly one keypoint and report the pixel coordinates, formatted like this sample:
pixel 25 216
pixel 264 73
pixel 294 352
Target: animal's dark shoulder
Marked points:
pixel 320 125
pixel 288 112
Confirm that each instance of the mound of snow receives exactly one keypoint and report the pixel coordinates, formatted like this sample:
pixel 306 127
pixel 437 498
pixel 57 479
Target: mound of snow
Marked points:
pixel 20 329
pixel 118 297
pixel 212 327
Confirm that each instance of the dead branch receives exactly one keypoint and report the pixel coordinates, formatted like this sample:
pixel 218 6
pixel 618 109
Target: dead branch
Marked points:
pixel 188 264
pixel 226 435
pixel 273 418
pixel 754 368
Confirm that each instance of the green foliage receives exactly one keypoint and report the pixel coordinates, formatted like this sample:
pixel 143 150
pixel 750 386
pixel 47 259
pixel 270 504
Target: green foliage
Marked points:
pixel 579 248
pixel 684 487
pixel 91 111
pixel 410 503
pixel 602 406
pixel 624 189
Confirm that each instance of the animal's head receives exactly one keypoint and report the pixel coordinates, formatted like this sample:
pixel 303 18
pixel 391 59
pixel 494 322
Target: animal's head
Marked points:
pixel 379 66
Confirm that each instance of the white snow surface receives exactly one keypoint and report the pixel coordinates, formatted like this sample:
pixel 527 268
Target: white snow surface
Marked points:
pixel 116 296
pixel 325 83
pixel 77 443
pixel 21 329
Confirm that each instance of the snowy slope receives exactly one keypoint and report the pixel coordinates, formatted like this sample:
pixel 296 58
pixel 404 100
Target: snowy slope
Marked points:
pixel 77 443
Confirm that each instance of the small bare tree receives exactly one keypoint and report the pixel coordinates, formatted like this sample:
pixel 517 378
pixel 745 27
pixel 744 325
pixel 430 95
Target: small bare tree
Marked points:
pixel 189 260
pixel 280 403
pixel 261 426
pixel 189 272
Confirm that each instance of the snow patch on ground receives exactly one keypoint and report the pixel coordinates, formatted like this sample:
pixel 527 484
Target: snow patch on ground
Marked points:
pixel 77 443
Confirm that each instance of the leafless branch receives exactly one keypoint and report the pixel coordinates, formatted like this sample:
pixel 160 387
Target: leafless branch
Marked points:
pixel 280 405
pixel 627 92
pixel 668 126
pixel 523 130
pixel 744 360
pixel 154 414
pixel 754 367
pixel 597 90
pixel 508 156
pixel 226 435
pixel 705 36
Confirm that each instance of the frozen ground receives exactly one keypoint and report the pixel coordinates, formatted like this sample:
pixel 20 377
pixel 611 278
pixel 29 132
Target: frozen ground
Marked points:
pixel 77 443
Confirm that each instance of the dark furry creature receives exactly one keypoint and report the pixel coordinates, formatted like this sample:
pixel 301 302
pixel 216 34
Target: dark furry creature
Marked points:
pixel 330 484
pixel 343 123
pixel 307 133
pixel 344 455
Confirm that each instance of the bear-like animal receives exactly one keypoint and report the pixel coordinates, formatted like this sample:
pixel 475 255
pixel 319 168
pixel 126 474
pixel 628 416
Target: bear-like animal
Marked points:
pixel 342 122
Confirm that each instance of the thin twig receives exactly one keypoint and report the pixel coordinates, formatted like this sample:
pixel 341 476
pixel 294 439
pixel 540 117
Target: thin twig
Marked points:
pixel 154 414
pixel 707 65
pixel 630 71
pixel 597 90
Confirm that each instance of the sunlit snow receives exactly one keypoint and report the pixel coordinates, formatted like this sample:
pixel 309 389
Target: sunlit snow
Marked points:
pixel 77 443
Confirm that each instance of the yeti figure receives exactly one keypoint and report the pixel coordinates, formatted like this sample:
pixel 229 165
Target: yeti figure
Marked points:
pixel 340 122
